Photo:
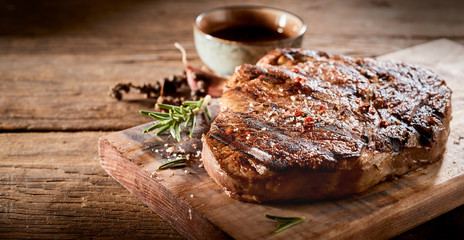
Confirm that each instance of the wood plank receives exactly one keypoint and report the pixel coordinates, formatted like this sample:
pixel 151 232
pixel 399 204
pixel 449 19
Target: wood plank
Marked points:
pixel 381 212
pixel 59 190
pixel 52 186
pixel 56 67
pixel 139 26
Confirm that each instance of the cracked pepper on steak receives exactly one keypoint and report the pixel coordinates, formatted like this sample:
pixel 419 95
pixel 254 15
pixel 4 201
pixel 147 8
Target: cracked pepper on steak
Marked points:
pixel 305 124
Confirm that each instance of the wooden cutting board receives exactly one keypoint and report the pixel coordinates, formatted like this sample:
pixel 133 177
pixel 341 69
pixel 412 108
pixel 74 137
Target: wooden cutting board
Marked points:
pixel 199 209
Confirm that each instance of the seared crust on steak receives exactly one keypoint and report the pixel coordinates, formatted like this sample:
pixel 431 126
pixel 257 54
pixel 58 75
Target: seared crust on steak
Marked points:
pixel 303 124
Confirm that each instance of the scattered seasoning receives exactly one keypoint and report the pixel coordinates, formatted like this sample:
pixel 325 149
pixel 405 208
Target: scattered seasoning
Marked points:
pixel 358 101
pixel 295 70
pixel 285 222
pixel 170 150
pixel 293 98
pixel 198 154
pixel 228 131
pixel 371 110
pixel 181 150
pixel 179 162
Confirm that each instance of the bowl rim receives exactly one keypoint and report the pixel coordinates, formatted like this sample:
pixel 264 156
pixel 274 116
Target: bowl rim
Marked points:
pixel 300 33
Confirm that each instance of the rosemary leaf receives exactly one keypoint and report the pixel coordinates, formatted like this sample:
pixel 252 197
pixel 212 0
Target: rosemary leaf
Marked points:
pixel 179 162
pixel 158 116
pixel 182 110
pixel 178 128
pixel 177 111
pixel 177 165
pixel 176 115
pixel 287 225
pixel 194 120
pixel 285 222
pixel 189 103
pixel 172 130
pixel 208 114
pixel 166 106
pixel 145 112
pixel 162 129
pixel 200 102
pixel 157 125
pixel 189 119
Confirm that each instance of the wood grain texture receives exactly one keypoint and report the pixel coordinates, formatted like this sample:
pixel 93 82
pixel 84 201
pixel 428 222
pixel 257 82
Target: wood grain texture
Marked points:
pixel 380 213
pixel 51 188
pixel 58 59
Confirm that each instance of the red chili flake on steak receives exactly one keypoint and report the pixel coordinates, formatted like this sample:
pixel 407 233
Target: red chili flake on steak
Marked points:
pixel 300 80
pixel 308 121
pixel 297 113
pixel 228 132
pixel 383 123
pixel 295 70
pixel 432 120
pixel 365 107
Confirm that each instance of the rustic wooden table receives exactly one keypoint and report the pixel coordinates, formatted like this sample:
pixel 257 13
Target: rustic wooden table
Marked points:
pixel 59 58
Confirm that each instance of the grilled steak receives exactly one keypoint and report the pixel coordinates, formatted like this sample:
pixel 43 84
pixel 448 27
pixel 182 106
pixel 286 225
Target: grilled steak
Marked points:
pixel 304 124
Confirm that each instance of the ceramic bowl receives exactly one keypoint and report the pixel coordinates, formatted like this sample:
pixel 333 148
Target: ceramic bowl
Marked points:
pixel 243 41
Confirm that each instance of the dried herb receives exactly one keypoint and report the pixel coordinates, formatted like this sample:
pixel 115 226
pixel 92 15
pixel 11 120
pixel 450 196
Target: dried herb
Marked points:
pixel 179 162
pixel 150 90
pixel 285 222
pixel 185 113
pixel 170 90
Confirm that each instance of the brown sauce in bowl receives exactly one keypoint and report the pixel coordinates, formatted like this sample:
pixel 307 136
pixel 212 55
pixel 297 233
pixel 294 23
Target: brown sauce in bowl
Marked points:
pixel 249 34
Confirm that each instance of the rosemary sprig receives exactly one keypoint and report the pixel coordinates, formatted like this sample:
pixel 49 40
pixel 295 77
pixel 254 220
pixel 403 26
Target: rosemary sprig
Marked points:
pixel 285 222
pixel 179 162
pixel 176 115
